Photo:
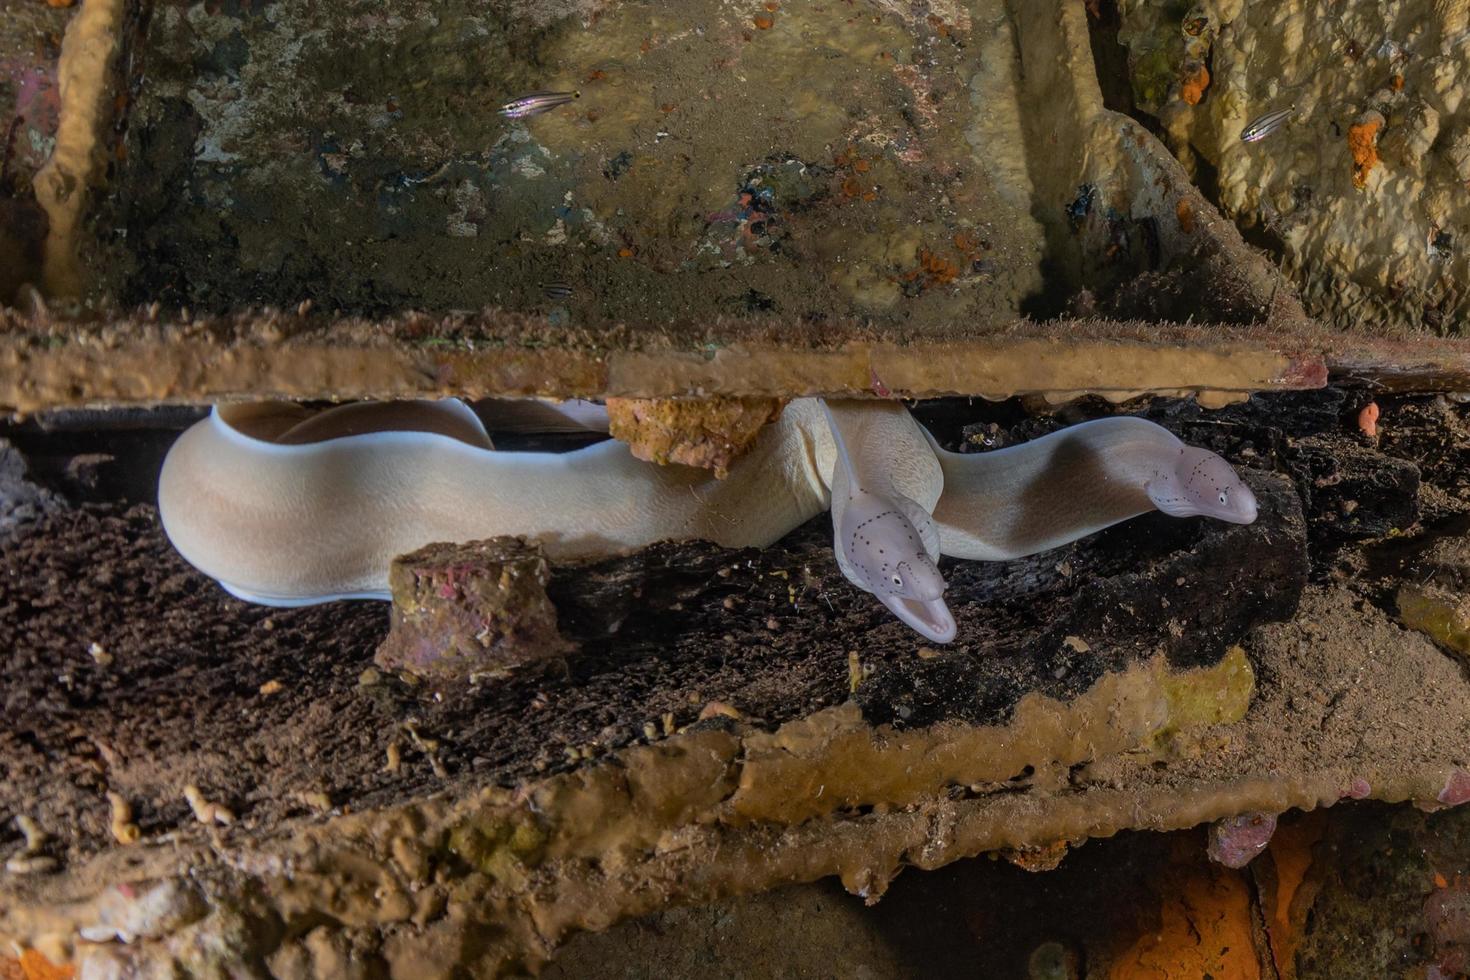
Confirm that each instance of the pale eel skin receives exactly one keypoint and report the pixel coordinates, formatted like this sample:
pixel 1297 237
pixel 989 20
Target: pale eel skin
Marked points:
pixel 287 507
pixel 248 499
pixel 886 542
pixel 1024 499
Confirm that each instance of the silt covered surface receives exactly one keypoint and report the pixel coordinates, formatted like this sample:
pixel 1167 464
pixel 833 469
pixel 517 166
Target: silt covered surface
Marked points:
pixel 808 160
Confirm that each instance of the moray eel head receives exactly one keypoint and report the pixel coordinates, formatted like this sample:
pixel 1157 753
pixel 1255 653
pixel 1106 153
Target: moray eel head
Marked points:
pixel 881 551
pixel 1202 484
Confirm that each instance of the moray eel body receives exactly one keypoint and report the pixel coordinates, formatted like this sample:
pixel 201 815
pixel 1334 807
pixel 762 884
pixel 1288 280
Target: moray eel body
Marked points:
pixel 1025 499
pixel 288 507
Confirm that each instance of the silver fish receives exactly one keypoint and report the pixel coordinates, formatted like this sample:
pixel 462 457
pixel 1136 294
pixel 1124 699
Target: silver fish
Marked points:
pixel 1264 125
pixel 536 103
pixel 556 290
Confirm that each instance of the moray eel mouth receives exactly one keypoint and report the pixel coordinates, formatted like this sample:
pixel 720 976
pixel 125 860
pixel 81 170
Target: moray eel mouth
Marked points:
pixel 930 617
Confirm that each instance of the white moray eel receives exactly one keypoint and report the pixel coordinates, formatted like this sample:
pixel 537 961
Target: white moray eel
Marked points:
pixel 249 498
pixel 1048 492
pixel 286 507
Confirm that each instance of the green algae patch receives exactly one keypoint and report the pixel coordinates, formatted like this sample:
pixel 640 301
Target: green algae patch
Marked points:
pixel 503 846
pixel 1438 613
pixel 1214 695
pixel 834 760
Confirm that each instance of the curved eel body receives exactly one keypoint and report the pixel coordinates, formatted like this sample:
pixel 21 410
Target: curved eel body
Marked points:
pixel 288 510
pixel 288 507
pixel 1014 502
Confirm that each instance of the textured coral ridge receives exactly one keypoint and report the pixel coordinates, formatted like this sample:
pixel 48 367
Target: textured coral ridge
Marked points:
pixel 143 359
pixel 708 433
pixel 1363 189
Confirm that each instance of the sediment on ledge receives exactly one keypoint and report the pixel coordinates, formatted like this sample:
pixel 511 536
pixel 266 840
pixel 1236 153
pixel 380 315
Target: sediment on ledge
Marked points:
pixel 47 364
pixel 493 880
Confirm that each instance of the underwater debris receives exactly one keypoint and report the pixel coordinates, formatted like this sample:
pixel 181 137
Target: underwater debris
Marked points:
pixel 1368 420
pixel 470 609
pixel 1196 80
pixel 206 811
pixel 933 270
pixel 124 830
pixel 128 912
pixel 1081 205
pixel 1439 243
pixel 618 165
pixel 1234 841
pixel 30 859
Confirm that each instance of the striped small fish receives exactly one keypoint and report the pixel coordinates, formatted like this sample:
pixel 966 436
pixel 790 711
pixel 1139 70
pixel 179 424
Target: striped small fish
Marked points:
pixel 1264 125
pixel 556 290
pixel 536 103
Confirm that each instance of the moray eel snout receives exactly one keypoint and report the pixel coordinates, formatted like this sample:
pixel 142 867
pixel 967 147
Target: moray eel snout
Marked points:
pixel 930 618
pixel 911 587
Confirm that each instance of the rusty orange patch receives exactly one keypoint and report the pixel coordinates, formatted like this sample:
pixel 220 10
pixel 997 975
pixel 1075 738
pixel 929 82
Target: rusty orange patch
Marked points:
pixel 1192 88
pixel 1286 914
pixel 936 268
pixel 763 22
pixel 33 966
pixel 1204 930
pixel 1185 214
pixel 1363 142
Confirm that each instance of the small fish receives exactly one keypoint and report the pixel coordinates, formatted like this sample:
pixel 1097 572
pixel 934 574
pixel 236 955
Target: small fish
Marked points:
pixel 536 103
pixel 556 290
pixel 1264 125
